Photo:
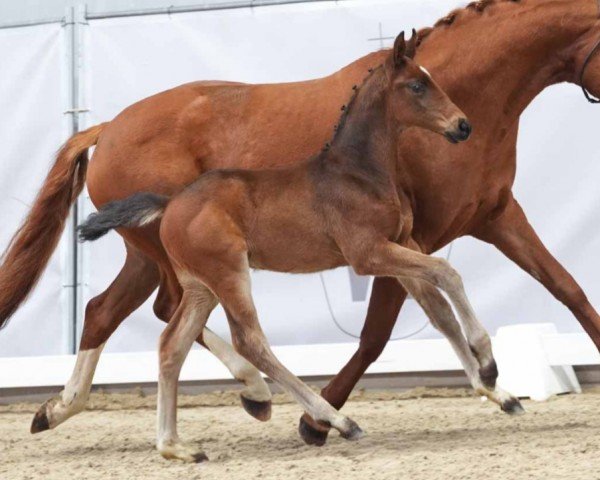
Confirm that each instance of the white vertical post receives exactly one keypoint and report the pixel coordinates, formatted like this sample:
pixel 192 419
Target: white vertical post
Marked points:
pixel 79 307
pixel 74 20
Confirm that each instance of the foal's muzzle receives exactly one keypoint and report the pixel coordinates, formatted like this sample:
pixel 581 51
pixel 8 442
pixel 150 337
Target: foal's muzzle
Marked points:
pixel 461 133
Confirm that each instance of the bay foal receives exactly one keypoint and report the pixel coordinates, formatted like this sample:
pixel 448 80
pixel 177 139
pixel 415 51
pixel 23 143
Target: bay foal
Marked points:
pixel 339 208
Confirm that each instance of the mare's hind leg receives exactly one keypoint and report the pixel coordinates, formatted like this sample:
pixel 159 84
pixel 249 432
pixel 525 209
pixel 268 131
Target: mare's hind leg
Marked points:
pixel 175 343
pixel 442 317
pixel 136 281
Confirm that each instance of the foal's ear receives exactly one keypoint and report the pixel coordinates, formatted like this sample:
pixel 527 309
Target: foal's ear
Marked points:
pixel 399 50
pixel 411 46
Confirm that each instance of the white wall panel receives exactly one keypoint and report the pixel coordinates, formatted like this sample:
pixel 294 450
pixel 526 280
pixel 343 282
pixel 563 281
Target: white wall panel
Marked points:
pixel 130 58
pixel 32 128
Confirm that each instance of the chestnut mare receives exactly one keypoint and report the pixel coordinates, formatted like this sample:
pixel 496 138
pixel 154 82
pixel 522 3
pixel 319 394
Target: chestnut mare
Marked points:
pixel 342 207
pixel 165 142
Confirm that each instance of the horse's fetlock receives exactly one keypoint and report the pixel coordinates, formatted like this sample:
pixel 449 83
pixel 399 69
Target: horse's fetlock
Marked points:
pixel 481 342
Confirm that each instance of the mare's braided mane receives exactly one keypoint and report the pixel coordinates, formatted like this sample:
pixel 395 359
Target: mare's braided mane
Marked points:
pixel 479 7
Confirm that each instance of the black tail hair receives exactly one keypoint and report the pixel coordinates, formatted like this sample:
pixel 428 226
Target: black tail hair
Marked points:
pixel 135 211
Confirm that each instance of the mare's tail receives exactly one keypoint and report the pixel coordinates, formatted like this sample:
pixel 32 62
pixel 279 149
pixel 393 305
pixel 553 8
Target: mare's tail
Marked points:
pixel 32 245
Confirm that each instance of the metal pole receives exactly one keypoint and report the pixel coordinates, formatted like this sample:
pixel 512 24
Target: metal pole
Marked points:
pixel 32 23
pixel 198 8
pixel 162 11
pixel 74 19
pixel 79 207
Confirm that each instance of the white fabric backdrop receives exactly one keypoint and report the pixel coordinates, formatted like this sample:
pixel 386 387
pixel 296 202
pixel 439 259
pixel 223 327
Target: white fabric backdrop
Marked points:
pixel 135 57
pixel 33 127
pixel 128 59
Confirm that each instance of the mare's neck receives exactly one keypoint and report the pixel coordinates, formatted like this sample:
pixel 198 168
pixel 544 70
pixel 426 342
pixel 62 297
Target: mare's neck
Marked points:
pixel 507 54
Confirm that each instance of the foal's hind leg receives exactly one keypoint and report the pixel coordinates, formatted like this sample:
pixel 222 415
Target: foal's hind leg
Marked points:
pixel 136 281
pixel 442 317
pixel 256 397
pixel 233 290
pixel 175 343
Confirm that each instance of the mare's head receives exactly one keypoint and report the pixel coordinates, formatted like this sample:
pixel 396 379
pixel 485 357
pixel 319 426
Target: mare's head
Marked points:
pixel 417 100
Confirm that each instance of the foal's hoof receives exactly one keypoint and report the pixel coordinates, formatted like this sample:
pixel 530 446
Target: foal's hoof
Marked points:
pixel 512 406
pixel 40 421
pixel 353 432
pixel 181 451
pixel 259 410
pixel 310 434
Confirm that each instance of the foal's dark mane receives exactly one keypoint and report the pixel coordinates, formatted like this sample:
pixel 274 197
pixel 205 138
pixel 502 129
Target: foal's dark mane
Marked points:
pixel 351 105
pixel 351 151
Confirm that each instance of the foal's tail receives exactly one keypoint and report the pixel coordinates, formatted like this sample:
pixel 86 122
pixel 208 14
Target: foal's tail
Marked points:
pixel 134 211
pixel 32 245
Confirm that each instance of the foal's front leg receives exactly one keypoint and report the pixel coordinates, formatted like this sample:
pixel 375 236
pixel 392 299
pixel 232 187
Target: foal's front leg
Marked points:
pixel 442 317
pixel 175 343
pixel 391 260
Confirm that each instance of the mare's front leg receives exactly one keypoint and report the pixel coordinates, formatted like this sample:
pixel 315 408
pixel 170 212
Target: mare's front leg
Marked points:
pixel 386 300
pixel 512 234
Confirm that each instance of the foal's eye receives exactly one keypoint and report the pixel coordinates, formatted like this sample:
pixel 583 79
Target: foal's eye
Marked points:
pixel 416 87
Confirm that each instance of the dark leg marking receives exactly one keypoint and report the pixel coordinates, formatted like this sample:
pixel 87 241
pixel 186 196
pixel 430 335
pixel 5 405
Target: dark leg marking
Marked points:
pixel 489 375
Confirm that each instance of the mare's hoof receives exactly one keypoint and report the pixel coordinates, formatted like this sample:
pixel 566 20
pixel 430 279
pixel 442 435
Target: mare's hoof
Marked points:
pixel 259 410
pixel 353 433
pixel 40 421
pixel 513 407
pixel 311 435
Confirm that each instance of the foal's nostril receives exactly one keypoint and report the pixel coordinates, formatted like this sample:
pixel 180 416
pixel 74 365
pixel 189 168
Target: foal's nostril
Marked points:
pixel 465 127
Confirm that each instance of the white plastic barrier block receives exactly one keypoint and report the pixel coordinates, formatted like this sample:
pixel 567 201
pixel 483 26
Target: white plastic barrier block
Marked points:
pixel 525 367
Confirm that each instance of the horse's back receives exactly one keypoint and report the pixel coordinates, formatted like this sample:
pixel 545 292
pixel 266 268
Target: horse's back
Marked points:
pixel 165 141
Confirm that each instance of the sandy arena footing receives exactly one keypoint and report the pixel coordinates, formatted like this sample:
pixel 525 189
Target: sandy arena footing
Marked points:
pixel 422 434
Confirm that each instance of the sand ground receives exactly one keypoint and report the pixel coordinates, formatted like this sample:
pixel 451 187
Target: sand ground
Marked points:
pixel 423 434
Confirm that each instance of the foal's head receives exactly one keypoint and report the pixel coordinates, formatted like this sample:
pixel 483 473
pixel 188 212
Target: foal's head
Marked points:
pixel 415 98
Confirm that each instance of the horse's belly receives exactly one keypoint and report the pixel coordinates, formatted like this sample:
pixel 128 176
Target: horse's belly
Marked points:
pixel 298 253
